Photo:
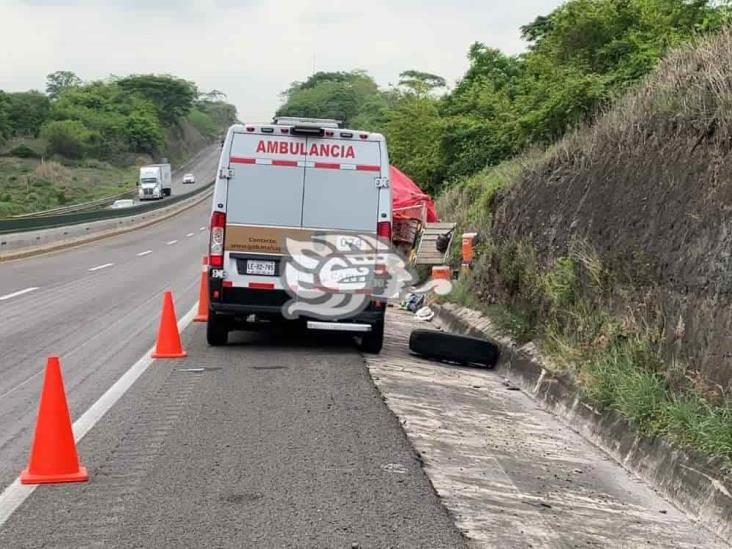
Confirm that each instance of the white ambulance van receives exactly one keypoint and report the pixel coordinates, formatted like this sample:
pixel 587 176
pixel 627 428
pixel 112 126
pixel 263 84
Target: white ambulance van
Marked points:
pixel 293 178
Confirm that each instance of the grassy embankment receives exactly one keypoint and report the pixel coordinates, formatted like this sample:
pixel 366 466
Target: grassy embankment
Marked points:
pixel 591 312
pixel 29 185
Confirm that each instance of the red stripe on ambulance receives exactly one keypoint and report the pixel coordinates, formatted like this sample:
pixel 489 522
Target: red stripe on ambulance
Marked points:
pixel 241 160
pixel 285 163
pixel 327 166
pixel 305 164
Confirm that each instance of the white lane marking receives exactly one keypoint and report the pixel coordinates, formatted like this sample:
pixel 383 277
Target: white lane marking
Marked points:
pixel 202 229
pixel 143 254
pixel 21 384
pixel 18 293
pixel 100 267
pixel 171 242
pixel 189 235
pixel 14 495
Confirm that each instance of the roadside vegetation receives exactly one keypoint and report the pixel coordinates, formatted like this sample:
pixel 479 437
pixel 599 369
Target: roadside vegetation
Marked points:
pixel 27 185
pixel 81 139
pixel 581 57
pixel 588 103
pixel 603 318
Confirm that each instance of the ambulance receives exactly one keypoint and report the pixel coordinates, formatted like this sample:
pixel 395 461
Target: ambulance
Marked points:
pixel 296 178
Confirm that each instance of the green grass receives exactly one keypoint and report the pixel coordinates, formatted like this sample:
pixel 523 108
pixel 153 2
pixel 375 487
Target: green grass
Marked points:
pixel 462 293
pixel 27 185
pixel 691 420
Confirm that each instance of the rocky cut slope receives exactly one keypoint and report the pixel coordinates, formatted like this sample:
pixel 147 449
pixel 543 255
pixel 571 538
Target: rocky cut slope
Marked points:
pixel 648 189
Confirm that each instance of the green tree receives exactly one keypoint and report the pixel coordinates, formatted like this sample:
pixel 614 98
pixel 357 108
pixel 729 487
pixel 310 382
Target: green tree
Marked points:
pixel 620 39
pixel 68 138
pixel 120 122
pixel 143 133
pixel 581 56
pixel 338 95
pixel 27 111
pixel 6 129
pixel 221 113
pixel 173 97
pixel 213 96
pixel 480 120
pixel 414 130
pixel 58 81
pixel 421 83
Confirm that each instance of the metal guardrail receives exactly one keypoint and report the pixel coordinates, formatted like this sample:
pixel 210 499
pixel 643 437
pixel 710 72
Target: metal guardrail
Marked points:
pixel 19 225
pixel 61 210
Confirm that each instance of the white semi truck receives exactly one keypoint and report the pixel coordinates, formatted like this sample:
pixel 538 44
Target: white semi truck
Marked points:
pixel 155 181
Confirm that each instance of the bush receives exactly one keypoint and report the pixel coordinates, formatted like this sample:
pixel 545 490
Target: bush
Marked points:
pixel 69 138
pixel 23 151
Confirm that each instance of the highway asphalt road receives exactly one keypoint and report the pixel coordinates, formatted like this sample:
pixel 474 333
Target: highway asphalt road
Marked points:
pixel 272 442
pixel 276 443
pixel 97 307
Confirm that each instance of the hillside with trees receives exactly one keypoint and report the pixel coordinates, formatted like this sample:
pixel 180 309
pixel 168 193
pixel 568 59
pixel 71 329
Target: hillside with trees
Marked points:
pixel 107 127
pixel 580 58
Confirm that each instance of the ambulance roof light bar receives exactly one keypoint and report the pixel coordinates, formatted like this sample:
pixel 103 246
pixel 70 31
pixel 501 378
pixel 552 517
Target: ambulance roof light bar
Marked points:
pixel 302 122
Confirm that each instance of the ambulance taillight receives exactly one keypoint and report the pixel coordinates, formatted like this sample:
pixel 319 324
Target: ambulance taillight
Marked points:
pixel 383 230
pixel 216 246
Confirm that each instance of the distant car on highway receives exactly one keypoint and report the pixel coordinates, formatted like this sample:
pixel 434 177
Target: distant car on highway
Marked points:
pixel 124 203
pixel 189 179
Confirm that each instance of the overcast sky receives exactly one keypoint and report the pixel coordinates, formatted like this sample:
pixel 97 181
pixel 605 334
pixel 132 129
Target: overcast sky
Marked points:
pixel 251 49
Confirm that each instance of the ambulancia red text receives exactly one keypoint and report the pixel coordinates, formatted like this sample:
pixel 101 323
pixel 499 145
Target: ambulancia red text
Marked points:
pixel 300 149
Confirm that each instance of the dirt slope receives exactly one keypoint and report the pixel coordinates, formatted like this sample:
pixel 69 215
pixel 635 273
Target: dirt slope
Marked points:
pixel 649 187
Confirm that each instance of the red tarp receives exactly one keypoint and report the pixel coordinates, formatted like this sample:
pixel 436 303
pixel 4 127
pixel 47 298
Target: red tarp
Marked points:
pixel 407 198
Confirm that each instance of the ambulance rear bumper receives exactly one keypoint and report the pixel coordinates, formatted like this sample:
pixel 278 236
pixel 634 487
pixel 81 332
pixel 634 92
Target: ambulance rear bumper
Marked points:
pixel 242 302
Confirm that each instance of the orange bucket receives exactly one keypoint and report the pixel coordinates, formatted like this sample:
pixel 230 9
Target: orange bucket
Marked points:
pixel 441 272
pixel 468 247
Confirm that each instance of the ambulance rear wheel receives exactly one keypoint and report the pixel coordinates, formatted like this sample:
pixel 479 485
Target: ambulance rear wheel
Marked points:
pixel 217 330
pixel 373 341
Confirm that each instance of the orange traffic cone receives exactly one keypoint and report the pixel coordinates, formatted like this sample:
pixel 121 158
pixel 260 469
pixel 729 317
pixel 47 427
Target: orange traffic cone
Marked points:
pixel 168 344
pixel 202 315
pixel 53 455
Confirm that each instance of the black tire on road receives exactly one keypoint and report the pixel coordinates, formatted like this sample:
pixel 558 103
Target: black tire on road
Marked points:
pixel 217 330
pixel 454 348
pixel 373 341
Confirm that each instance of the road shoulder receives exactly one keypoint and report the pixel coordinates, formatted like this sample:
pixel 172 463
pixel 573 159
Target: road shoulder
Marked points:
pixel 510 473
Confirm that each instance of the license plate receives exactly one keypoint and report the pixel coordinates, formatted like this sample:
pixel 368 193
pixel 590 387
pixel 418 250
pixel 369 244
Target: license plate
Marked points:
pixel 256 267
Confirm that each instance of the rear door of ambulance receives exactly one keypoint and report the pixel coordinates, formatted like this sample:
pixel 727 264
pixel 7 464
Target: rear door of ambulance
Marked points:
pixel 294 185
pixel 341 190
pixel 263 204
